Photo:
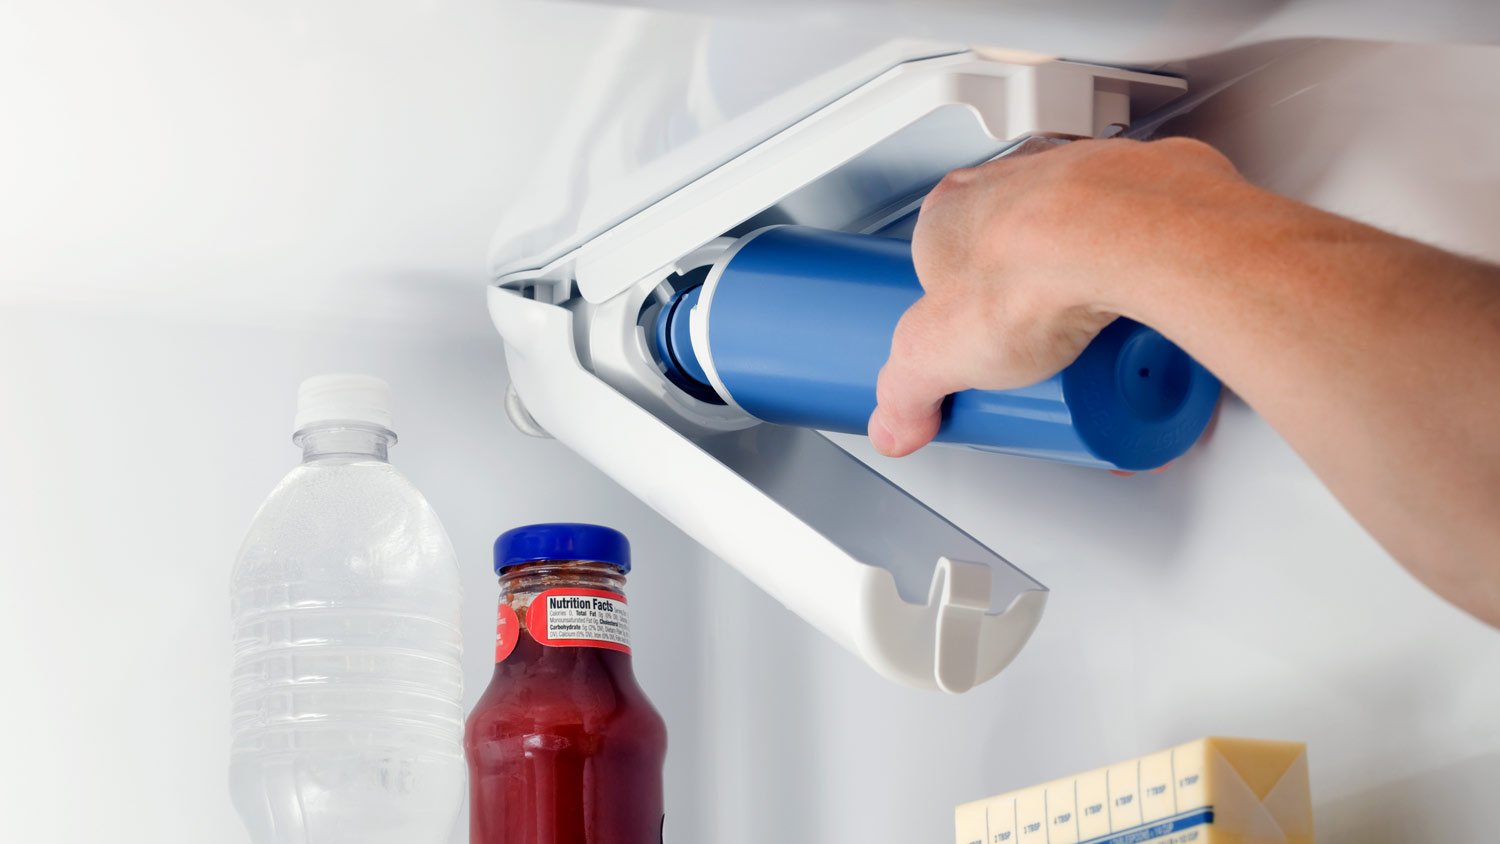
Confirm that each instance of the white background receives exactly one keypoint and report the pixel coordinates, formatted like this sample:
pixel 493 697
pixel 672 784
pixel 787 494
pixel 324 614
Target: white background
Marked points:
pixel 203 202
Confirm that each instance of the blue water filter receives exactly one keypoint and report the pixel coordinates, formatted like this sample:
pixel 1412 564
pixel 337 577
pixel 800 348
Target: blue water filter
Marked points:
pixel 794 323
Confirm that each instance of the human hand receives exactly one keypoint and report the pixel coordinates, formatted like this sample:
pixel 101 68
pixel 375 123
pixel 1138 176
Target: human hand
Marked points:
pixel 1025 259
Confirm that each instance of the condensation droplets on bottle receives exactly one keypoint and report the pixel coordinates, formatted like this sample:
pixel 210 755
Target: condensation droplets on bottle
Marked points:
pixel 347 691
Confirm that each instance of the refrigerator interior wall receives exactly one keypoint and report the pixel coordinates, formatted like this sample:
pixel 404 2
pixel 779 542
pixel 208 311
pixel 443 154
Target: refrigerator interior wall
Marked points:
pixel 256 215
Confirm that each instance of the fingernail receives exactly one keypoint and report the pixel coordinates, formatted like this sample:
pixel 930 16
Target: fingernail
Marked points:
pixel 881 436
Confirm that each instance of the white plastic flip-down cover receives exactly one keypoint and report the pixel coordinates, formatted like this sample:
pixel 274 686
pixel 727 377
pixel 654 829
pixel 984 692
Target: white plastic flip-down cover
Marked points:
pixel 908 592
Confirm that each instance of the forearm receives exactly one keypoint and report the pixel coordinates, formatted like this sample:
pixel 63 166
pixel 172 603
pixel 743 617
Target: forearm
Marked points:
pixel 1377 358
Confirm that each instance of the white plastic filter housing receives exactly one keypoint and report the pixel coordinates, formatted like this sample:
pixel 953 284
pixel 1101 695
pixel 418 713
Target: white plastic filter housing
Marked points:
pixel 912 595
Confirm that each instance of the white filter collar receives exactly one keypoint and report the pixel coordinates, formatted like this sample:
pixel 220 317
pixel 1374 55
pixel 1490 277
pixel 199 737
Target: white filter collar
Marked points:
pixel 343 398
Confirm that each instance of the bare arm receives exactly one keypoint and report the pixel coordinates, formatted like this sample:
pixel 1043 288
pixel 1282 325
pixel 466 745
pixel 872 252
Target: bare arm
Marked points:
pixel 1376 357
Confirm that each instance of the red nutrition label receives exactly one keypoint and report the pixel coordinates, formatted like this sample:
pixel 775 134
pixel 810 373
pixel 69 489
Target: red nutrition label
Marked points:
pixel 580 618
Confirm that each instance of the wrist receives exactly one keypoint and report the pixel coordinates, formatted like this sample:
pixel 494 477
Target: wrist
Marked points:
pixel 1194 257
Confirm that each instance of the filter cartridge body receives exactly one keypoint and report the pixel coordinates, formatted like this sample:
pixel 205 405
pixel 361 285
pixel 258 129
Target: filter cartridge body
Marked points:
pixel 792 325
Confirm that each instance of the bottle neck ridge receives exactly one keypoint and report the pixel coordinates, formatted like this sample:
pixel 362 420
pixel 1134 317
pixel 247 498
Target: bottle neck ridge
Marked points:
pixel 344 440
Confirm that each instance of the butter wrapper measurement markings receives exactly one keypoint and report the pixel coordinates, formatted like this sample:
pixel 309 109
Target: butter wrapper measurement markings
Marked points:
pixel 1210 791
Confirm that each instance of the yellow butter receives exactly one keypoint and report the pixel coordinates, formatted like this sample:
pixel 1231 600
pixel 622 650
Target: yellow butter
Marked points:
pixel 1209 791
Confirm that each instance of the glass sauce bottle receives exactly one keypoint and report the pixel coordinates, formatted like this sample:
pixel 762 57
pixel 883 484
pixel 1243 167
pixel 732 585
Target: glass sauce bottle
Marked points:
pixel 564 747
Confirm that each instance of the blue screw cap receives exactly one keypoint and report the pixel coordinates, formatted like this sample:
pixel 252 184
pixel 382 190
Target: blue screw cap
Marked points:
pixel 562 541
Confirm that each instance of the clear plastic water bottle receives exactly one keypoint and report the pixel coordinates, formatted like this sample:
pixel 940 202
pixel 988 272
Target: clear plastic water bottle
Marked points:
pixel 347 691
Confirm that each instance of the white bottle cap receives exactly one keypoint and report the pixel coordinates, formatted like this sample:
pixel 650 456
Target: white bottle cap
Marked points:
pixel 343 398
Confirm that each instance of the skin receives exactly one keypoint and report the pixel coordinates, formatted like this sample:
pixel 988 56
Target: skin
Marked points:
pixel 1376 357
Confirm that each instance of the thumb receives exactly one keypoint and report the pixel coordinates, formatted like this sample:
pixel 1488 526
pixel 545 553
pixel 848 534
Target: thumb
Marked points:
pixel 920 372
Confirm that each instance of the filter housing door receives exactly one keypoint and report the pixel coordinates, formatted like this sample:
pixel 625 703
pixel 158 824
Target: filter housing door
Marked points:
pixel 911 594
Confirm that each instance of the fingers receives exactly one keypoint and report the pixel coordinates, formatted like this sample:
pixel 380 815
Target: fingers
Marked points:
pixel 919 374
pixel 900 426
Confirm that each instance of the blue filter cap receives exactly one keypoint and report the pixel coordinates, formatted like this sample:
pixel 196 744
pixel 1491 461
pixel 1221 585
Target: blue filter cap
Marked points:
pixel 674 346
